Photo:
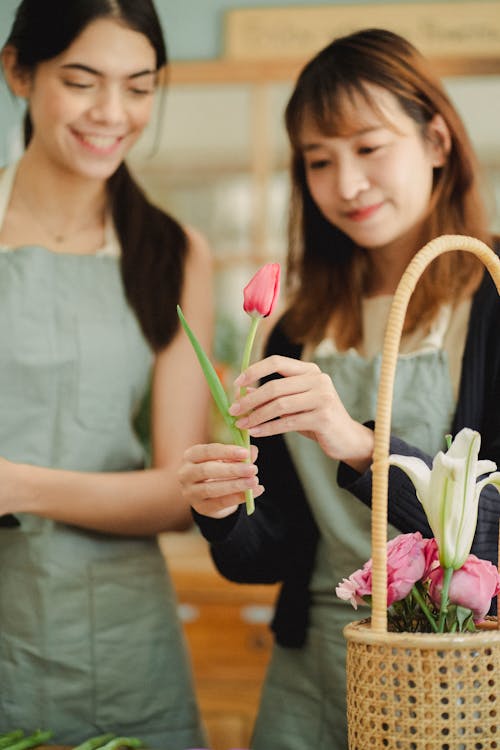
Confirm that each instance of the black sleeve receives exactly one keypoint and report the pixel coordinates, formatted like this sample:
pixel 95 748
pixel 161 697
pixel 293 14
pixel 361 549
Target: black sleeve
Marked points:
pixel 253 549
pixel 405 511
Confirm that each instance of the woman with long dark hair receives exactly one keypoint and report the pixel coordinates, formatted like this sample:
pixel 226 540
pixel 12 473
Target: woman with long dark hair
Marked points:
pixel 90 275
pixel 381 164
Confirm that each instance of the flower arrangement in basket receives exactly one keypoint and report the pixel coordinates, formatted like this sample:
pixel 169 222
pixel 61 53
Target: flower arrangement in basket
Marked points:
pixel 421 673
pixel 435 585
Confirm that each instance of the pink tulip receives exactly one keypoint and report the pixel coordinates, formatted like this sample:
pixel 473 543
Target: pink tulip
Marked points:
pixel 261 292
pixel 408 558
pixel 472 586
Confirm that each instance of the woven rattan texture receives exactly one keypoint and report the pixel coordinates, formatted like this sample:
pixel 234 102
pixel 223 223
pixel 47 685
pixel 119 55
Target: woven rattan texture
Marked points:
pixel 423 692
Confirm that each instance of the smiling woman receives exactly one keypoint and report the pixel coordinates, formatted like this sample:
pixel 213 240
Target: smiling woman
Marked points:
pixel 90 276
pixel 381 164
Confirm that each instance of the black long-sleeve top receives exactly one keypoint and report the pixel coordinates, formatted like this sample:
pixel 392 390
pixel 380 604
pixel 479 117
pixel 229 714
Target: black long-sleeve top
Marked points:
pixel 278 542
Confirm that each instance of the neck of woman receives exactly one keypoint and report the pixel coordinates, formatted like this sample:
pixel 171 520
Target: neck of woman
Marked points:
pixel 387 264
pixel 62 200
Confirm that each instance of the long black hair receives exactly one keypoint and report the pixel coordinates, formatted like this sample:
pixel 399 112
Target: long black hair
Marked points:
pixel 153 244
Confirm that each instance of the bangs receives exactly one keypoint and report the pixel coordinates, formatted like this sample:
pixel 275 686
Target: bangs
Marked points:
pixel 331 107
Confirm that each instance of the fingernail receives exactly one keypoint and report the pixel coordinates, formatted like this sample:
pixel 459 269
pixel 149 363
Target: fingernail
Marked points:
pixel 240 380
pixel 255 431
pixel 242 423
pixel 234 409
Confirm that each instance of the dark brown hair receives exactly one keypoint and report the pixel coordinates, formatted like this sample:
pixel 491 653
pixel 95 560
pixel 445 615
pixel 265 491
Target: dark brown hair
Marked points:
pixel 153 244
pixel 327 272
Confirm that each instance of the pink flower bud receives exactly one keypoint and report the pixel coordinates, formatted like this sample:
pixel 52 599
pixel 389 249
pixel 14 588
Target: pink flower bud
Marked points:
pixel 261 292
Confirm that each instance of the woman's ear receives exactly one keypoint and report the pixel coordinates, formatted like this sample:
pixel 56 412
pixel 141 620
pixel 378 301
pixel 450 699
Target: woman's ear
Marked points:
pixel 18 79
pixel 438 135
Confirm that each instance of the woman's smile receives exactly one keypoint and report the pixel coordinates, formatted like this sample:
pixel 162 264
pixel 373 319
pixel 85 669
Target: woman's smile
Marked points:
pixel 366 212
pixel 104 145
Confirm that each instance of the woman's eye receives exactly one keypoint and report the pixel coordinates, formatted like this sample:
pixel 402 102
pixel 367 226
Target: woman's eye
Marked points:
pixel 318 164
pixel 76 85
pixel 370 149
pixel 141 92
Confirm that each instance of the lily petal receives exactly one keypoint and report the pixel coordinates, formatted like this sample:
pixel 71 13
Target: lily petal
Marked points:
pixel 450 495
pixel 485 467
pixel 417 471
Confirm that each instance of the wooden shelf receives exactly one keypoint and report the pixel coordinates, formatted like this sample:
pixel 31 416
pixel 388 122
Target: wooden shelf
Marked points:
pixel 269 71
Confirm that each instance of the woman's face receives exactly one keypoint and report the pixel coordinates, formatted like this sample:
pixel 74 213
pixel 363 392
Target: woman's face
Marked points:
pixel 90 104
pixel 374 182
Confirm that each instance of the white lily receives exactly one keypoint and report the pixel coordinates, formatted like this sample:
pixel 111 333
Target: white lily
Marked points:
pixel 449 493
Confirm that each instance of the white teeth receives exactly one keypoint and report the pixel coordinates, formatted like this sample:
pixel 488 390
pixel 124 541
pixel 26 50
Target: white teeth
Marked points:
pixel 99 141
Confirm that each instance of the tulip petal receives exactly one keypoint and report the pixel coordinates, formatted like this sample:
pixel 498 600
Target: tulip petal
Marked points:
pixel 261 293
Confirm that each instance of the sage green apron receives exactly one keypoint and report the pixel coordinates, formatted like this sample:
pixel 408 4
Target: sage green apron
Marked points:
pixel 89 635
pixel 303 700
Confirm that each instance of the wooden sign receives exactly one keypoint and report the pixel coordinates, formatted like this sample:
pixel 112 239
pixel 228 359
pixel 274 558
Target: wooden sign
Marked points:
pixel 454 29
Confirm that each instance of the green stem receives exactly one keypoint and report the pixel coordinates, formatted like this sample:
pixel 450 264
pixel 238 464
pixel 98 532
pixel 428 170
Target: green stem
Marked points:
pixel 39 737
pixel 249 501
pixel 93 743
pixel 216 387
pixel 443 610
pixel 118 742
pixel 8 739
pixel 425 609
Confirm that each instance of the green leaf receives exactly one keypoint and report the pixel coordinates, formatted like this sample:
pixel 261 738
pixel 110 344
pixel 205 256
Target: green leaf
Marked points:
pixel 216 387
pixel 464 618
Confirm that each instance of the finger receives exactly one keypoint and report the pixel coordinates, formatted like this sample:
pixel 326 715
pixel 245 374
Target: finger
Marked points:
pixel 274 390
pixel 276 364
pixel 278 409
pixel 218 507
pixel 215 452
pixel 215 471
pixel 218 489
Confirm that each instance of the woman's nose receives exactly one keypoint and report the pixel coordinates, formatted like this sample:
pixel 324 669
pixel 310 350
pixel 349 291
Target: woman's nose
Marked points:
pixel 109 106
pixel 351 179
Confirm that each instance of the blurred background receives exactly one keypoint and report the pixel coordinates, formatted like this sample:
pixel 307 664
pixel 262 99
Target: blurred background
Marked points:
pixel 216 157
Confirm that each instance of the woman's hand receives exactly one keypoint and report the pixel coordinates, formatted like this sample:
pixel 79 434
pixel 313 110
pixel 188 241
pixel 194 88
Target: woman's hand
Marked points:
pixel 304 400
pixel 214 478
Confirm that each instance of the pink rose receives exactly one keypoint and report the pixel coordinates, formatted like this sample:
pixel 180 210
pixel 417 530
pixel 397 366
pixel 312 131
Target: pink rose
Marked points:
pixel 431 557
pixel 354 588
pixel 409 556
pixel 472 586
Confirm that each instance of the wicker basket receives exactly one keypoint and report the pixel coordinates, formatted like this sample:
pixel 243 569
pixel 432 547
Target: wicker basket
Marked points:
pixel 417 691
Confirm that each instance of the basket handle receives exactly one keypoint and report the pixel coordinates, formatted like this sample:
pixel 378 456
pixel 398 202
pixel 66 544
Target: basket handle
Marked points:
pixel 392 339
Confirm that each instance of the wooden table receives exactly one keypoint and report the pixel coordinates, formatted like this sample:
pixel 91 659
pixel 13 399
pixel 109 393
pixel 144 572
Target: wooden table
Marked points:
pixel 227 630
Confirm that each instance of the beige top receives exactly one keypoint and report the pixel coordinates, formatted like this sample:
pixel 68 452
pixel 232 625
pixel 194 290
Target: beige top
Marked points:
pixel 449 331
pixel 111 245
